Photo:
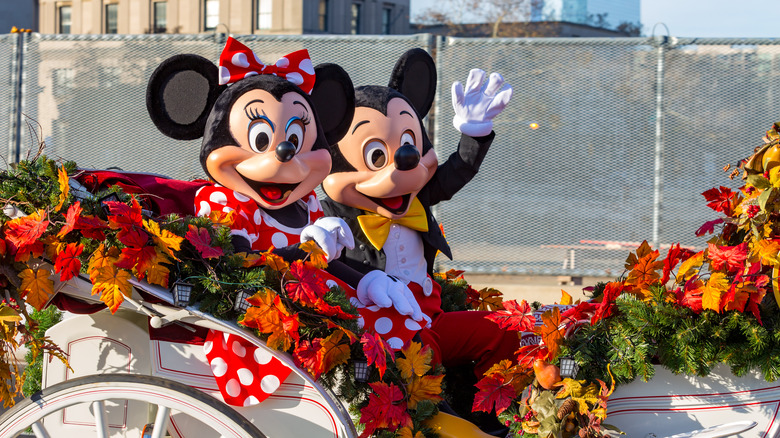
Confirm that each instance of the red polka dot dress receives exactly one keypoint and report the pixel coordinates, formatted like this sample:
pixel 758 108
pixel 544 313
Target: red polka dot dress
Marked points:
pixel 250 220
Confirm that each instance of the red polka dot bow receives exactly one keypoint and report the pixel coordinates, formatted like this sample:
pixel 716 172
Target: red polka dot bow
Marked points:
pixel 237 62
pixel 245 374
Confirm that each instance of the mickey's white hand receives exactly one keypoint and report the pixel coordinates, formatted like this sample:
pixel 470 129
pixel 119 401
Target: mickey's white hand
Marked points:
pixel 332 234
pixel 380 289
pixel 476 107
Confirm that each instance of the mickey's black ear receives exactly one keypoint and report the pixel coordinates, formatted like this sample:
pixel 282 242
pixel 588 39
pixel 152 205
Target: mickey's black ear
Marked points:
pixel 180 95
pixel 414 76
pixel 333 97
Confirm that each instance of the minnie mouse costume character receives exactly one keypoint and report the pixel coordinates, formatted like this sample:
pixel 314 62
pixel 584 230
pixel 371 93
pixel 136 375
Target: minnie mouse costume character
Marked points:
pixel 266 140
pixel 384 180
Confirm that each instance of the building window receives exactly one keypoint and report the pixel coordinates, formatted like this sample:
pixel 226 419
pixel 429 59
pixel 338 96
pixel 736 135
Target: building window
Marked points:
pixel 355 23
pixel 387 23
pixel 64 13
pixel 264 14
pixel 112 18
pixel 160 17
pixel 211 17
pixel 322 24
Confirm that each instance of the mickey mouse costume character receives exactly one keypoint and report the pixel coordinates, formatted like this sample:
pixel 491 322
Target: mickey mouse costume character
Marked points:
pixel 266 140
pixel 384 180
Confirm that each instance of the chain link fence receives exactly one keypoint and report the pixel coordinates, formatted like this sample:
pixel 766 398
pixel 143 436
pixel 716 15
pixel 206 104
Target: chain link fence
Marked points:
pixel 607 142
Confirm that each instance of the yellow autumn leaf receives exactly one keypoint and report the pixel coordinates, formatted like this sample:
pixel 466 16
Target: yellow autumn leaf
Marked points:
pixel 318 258
pixel 113 285
pixel 165 240
pixel 334 351
pixel 767 250
pixel 62 178
pixel 566 299
pixel 689 268
pixel 36 288
pixel 101 257
pixel 416 360
pixel 715 287
pixel 275 262
pixel 9 314
pixel 222 218
pixel 424 388
pixel 157 272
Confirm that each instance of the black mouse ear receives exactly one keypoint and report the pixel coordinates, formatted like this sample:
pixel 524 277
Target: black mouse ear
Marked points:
pixel 180 95
pixel 414 76
pixel 333 97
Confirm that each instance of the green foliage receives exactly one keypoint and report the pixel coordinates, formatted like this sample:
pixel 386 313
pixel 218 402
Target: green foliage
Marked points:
pixel 43 320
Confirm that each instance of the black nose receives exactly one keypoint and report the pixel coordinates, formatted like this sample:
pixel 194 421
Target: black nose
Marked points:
pixel 406 157
pixel 285 151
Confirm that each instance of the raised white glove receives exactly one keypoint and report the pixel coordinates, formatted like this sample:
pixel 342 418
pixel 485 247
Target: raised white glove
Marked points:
pixel 332 234
pixel 479 104
pixel 380 289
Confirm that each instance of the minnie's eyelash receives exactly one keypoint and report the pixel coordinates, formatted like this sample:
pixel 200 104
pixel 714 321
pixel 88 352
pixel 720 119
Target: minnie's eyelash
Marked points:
pixel 253 114
pixel 305 119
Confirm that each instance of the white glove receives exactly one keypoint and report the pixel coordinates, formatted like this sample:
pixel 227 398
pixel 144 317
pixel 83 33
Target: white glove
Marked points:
pixel 332 234
pixel 380 289
pixel 476 108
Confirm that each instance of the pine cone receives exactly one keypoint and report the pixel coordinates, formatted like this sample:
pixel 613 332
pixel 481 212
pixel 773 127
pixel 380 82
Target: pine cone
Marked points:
pixel 569 406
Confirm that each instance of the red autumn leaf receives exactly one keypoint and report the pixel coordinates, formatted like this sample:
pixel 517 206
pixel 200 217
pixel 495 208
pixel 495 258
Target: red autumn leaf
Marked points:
pixel 527 354
pixel 385 409
pixel 732 258
pixel 25 231
pixel 754 301
pixel 691 295
pixel 71 218
pixel 308 356
pixel 518 317
pixel 708 227
pixel 67 263
pixel 335 311
pixel 719 200
pixel 494 393
pixel 91 227
pixel 134 237
pixel 201 240
pixel 612 290
pixel 140 259
pixel 123 215
pixel 673 257
pixel 376 349
pixel 308 287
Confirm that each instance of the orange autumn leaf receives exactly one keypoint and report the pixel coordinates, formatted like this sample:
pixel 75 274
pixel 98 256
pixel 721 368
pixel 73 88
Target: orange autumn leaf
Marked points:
pixel 406 432
pixel 62 179
pixel 454 274
pixel 24 231
pixel 551 334
pixel 689 268
pixel 416 360
pixel 489 299
pixel 267 314
pixel 335 352
pixel 633 258
pixel 165 240
pixel 36 288
pixel 317 256
pixel 717 284
pixel 644 272
pixel 275 262
pixel 350 335
pixel 71 218
pixel 219 217
pixel 100 258
pixel 424 388
pixel 113 285
pixel 252 259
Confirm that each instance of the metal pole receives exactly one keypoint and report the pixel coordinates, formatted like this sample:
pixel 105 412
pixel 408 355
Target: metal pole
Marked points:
pixel 15 137
pixel 659 144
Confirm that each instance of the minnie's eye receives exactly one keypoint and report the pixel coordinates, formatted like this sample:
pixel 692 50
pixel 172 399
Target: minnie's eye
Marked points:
pixel 295 135
pixel 260 134
pixel 375 155
pixel 407 138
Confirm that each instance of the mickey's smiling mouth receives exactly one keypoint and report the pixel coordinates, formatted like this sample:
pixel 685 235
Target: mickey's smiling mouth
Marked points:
pixel 393 204
pixel 272 193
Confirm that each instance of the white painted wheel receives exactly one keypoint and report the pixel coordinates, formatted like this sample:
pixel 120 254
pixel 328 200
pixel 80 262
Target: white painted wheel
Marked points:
pixel 165 394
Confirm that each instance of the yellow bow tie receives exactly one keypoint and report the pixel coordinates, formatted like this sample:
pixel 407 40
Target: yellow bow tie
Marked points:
pixel 377 227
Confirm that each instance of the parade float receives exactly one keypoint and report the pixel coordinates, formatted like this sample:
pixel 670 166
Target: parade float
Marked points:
pixel 151 283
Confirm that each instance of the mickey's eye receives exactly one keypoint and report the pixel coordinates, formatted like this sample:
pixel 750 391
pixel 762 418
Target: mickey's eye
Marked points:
pixel 375 155
pixel 295 133
pixel 260 133
pixel 407 138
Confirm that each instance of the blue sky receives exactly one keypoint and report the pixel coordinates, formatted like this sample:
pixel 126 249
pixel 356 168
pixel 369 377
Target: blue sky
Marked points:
pixel 712 18
pixel 699 18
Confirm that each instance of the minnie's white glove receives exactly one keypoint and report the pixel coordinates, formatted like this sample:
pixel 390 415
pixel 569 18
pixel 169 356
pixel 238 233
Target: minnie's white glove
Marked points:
pixel 479 104
pixel 332 234
pixel 380 289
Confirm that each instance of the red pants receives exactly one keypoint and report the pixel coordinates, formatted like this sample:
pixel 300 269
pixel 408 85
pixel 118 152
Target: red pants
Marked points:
pixel 461 337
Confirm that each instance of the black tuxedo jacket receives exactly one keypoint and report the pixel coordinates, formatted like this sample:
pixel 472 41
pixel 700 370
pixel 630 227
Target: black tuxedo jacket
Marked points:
pixel 448 179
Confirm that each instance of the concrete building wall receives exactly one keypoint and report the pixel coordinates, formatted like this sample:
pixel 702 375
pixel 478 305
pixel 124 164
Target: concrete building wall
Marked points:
pixel 235 16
